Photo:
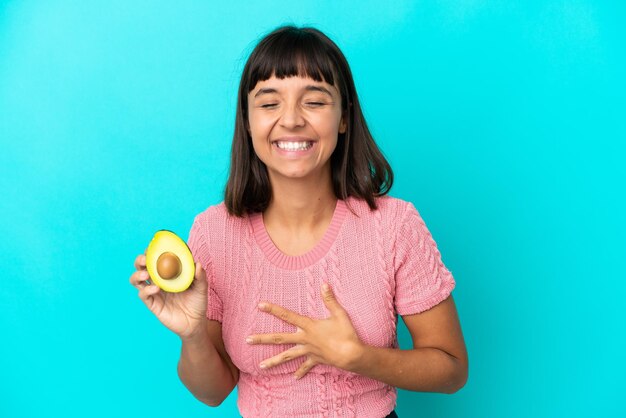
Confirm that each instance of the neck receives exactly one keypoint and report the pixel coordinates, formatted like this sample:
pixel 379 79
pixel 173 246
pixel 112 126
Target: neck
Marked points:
pixel 302 204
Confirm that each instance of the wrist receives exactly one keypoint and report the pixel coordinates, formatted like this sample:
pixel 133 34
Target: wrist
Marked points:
pixel 355 357
pixel 195 338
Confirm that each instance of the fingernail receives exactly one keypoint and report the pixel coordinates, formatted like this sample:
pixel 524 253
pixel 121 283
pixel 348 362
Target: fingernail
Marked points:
pixel 262 365
pixel 325 287
pixel 262 305
pixel 249 340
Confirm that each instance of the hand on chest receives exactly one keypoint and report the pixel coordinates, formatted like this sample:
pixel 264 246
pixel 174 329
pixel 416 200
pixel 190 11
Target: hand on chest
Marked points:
pixel 366 294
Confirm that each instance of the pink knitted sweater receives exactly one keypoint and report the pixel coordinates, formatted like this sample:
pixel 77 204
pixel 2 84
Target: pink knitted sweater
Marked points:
pixel 379 263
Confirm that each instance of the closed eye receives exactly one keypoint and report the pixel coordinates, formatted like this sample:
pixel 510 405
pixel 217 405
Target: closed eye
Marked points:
pixel 268 105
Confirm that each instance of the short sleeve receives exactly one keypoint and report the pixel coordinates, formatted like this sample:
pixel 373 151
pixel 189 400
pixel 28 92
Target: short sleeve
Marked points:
pixel 422 280
pixel 199 246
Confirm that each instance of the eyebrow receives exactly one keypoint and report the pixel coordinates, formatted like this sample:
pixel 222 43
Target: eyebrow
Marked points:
pixel 269 90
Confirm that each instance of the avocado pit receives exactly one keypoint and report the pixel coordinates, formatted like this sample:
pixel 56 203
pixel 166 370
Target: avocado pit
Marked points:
pixel 169 266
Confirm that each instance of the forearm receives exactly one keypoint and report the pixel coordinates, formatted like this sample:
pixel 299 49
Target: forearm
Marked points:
pixel 203 371
pixel 419 369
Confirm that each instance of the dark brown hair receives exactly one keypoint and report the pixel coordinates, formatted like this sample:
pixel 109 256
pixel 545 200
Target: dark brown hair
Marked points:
pixel 358 167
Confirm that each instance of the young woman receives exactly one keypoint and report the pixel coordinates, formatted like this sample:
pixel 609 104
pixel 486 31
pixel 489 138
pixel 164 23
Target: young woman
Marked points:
pixel 304 268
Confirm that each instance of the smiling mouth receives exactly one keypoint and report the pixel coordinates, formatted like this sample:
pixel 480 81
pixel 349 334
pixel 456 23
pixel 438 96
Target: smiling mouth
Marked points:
pixel 294 145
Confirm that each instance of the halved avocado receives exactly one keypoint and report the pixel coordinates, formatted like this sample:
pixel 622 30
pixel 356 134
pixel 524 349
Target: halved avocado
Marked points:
pixel 169 262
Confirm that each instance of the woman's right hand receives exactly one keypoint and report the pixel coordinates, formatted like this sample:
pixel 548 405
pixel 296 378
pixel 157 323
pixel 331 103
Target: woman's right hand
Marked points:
pixel 183 313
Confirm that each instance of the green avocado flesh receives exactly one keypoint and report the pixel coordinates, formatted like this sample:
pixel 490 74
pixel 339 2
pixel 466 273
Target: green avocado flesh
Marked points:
pixel 169 262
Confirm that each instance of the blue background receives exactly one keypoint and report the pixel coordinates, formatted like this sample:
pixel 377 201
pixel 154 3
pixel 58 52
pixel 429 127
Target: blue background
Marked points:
pixel 505 123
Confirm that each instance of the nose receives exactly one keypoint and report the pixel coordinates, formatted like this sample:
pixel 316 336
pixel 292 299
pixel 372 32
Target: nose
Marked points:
pixel 292 117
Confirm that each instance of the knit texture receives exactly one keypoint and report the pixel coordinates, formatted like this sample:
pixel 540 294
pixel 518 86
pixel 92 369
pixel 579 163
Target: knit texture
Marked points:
pixel 380 264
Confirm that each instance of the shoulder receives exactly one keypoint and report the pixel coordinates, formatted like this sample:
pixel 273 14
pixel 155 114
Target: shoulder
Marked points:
pixel 387 207
pixel 216 213
pixel 385 222
pixel 216 218
pixel 213 212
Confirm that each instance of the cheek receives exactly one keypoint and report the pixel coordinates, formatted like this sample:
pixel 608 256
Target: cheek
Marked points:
pixel 260 145
pixel 330 127
pixel 260 127
pixel 259 131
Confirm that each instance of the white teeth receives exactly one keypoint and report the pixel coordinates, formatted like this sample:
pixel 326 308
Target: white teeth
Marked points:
pixel 294 146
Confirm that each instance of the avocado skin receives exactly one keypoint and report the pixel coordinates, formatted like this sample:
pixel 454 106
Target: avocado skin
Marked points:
pixel 165 240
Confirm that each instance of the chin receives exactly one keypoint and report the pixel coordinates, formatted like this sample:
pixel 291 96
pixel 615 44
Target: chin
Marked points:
pixel 295 173
pixel 298 175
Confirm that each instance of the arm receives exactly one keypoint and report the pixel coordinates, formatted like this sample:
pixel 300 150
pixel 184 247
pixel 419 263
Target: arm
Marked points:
pixel 437 363
pixel 205 367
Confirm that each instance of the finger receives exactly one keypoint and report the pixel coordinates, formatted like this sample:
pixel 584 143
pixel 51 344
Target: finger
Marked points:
pixel 330 300
pixel 139 278
pixel 200 279
pixel 152 297
pixel 200 273
pixel 147 292
pixel 285 356
pixel 140 262
pixel 284 314
pixel 274 339
pixel 304 368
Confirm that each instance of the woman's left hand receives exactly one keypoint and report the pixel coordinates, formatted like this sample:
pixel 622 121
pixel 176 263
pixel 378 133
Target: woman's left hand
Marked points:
pixel 331 341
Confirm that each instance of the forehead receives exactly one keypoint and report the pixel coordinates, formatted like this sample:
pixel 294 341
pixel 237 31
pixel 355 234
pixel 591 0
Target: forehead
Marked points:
pixel 297 83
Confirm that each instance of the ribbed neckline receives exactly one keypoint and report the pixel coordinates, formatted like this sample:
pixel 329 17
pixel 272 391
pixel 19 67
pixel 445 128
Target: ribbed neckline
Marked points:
pixel 289 262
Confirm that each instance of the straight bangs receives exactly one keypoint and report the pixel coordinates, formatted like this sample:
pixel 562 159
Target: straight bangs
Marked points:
pixel 292 53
